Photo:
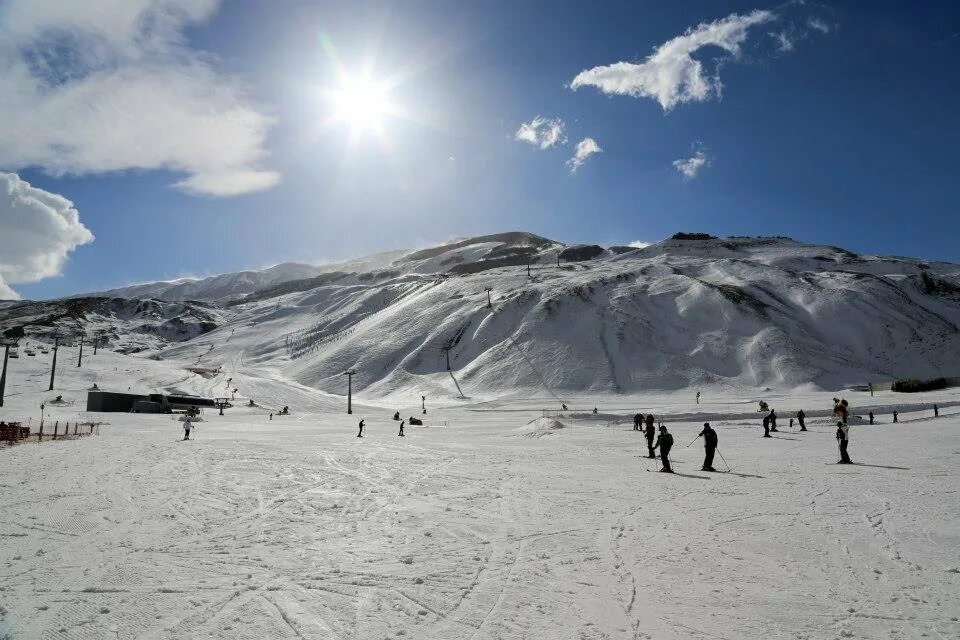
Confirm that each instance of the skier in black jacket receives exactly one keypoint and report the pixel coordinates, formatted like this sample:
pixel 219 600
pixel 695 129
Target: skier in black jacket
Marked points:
pixel 360 433
pixel 766 427
pixel 665 442
pixel 801 416
pixel 650 433
pixel 709 446
pixel 773 420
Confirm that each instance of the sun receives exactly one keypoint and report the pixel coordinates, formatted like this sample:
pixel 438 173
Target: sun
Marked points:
pixel 362 103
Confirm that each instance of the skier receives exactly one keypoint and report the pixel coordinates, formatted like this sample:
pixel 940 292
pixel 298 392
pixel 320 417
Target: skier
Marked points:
pixel 360 433
pixel 187 425
pixel 801 416
pixel 401 430
pixel 773 420
pixel 271 415
pixel 594 411
pixel 396 416
pixel 842 410
pixel 637 421
pixel 665 442
pixel 791 423
pixel 895 415
pixel 766 427
pixel 709 446
pixel 698 397
pixel 871 417
pixel 936 411
pixel 650 433
pixel 843 437
pixel 870 386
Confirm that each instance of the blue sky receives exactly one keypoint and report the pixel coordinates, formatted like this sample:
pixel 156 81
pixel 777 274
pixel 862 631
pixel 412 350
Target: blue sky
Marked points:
pixel 836 123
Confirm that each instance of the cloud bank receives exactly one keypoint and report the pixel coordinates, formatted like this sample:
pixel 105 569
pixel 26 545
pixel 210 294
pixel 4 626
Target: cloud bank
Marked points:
pixel 39 229
pixel 542 132
pixel 584 149
pixel 671 75
pixel 111 85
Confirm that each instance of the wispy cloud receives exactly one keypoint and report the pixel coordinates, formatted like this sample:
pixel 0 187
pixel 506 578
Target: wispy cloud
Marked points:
pixel 819 25
pixel 671 75
pixel 542 132
pixel 112 85
pixel 39 229
pixel 690 167
pixel 584 149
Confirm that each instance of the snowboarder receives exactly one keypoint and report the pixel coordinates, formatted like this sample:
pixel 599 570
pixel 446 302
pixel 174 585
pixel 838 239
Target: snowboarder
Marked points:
pixel 698 397
pixel 360 433
pixel 187 425
pixel 766 427
pixel 871 417
pixel 801 416
pixel 665 442
pixel 936 411
pixel 709 446
pixel 773 420
pixel 650 433
pixel 895 416
pixel 401 430
pixel 843 438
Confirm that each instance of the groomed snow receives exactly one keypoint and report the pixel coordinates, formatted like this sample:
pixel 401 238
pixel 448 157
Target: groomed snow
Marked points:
pixel 295 528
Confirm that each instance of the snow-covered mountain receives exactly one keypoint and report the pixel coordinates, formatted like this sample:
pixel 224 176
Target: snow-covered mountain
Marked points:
pixel 689 311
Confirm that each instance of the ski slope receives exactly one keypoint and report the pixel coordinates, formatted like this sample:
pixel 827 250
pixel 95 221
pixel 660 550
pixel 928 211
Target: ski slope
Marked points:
pixel 490 522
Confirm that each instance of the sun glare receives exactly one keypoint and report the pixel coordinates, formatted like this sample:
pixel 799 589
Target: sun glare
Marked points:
pixel 361 103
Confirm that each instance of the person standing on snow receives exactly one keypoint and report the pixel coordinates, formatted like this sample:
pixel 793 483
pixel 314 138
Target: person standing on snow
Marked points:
pixel 871 417
pixel 698 397
pixel 710 441
pixel 843 438
pixel 401 429
pixel 896 417
pixel 187 425
pixel 936 411
pixel 650 433
pixel 360 433
pixel 766 427
pixel 801 416
pixel 773 420
pixel 637 419
pixel 665 442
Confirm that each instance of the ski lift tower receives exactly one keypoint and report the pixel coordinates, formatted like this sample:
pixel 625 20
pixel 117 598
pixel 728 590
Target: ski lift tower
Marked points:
pixel 221 403
pixel 489 302
pixel 53 367
pixel 6 344
pixel 349 373
pixel 80 357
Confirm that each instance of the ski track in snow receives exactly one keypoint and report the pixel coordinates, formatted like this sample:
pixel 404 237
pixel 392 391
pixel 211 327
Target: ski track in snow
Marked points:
pixel 295 528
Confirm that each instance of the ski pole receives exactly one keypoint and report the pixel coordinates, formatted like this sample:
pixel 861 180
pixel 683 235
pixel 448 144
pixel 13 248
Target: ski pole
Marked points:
pixel 729 468
pixel 694 440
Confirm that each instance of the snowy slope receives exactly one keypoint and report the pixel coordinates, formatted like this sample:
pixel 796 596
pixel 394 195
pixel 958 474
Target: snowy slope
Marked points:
pixel 728 312
pixel 749 312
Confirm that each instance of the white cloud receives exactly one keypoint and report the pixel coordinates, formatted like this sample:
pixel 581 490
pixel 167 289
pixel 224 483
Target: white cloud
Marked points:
pixel 542 132
pixel 671 75
pixel 584 149
pixel 691 166
pixel 818 25
pixel 639 244
pixel 784 42
pixel 111 85
pixel 39 230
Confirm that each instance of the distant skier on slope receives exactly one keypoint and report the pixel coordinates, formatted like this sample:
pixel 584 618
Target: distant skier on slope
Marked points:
pixel 843 438
pixel 650 433
pixel 401 429
pixel 773 420
pixel 936 411
pixel 896 417
pixel 637 421
pixel 871 417
pixel 801 416
pixel 710 441
pixel 665 442
pixel 360 433
pixel 187 425
pixel 766 427
pixel 698 397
